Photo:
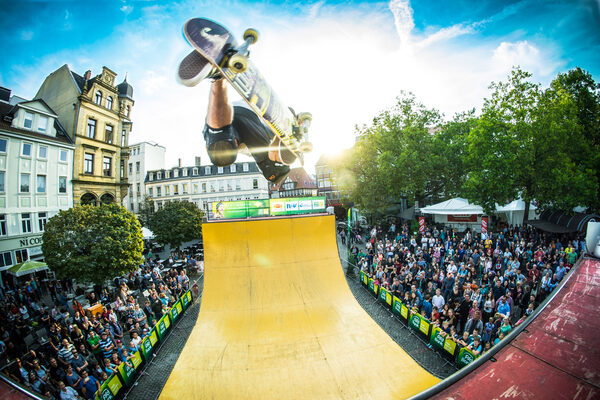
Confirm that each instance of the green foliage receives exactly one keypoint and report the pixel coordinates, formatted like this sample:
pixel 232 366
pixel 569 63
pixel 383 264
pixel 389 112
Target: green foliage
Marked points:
pixel 177 222
pixel 146 211
pixel 93 244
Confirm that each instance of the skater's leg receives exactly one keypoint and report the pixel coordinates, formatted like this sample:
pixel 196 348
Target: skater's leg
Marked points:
pixel 221 138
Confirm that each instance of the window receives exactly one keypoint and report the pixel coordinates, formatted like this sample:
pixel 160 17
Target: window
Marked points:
pixel 175 189
pixel 158 175
pixel 26 151
pixel 158 192
pixel 167 174
pixel 3 143
pixel 41 184
pixel 204 187
pixel 137 189
pixel 3 230
pixel 62 184
pixel 109 102
pixel 195 188
pixel 26 223
pixel 232 168
pixel 237 184
pixel 62 155
pixel 42 152
pixel 175 173
pixel 109 134
pixel 212 187
pixel 185 172
pixel 219 170
pixel 107 166
pixel 98 99
pixel 24 188
pixel 158 205
pixel 167 190
pixel 130 168
pixel 21 255
pixel 128 111
pixel 122 170
pixel 221 186
pixel 245 167
pixel 88 163
pixel 42 123
pixel 194 171
pixel 123 138
pixel 42 219
pixel 207 170
pixel 229 185
pixel 5 259
pixel 255 183
pixel 137 167
pixel 2 181
pixel 151 176
pixel 184 188
pixel 91 128
pixel 28 122
pixel 150 192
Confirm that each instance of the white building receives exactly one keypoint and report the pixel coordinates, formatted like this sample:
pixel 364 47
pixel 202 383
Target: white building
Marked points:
pixel 207 184
pixel 36 172
pixel 143 157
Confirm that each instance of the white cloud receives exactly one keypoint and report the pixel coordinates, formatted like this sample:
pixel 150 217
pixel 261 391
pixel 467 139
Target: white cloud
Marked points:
pixel 403 19
pixel 523 54
pixel 27 35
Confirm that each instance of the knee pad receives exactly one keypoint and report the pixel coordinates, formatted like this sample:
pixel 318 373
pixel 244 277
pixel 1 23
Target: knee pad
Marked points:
pixel 272 171
pixel 221 145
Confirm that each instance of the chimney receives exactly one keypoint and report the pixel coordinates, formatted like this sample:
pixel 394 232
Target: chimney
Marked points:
pixel 88 75
pixel 4 94
pixel 198 162
pixel 179 162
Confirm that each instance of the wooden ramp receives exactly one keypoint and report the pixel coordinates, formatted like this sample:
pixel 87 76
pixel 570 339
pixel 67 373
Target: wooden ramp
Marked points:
pixel 278 321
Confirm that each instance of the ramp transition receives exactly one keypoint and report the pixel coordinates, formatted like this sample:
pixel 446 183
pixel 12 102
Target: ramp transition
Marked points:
pixel 278 321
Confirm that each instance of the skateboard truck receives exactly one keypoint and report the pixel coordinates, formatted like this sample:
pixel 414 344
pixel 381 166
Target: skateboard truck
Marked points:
pixel 304 120
pixel 238 61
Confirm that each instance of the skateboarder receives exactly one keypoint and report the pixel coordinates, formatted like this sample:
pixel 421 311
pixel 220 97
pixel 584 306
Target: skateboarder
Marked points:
pixel 227 127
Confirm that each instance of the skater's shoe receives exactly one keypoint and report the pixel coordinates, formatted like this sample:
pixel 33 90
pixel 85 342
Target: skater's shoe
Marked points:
pixel 194 68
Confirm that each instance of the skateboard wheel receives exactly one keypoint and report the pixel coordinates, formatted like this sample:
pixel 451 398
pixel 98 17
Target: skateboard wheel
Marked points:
pixel 251 34
pixel 238 63
pixel 304 116
pixel 306 147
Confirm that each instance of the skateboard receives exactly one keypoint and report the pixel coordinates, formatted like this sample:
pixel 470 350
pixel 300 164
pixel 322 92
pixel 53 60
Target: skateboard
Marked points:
pixel 217 51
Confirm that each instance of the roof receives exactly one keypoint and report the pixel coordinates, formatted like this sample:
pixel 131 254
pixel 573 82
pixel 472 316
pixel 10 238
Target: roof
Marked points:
pixel 8 110
pixel 563 221
pixel 453 206
pixel 516 205
pixel 302 179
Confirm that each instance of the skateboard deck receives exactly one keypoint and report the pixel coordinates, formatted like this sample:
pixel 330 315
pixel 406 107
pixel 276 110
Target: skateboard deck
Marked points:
pixel 215 44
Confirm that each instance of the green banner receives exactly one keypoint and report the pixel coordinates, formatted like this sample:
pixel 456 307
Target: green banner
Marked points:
pixel 298 205
pixel 437 339
pixel 385 296
pixel 396 305
pixel 110 388
pixel 415 321
pixel 241 209
pixel 185 300
pixel 163 326
pixel 147 346
pixel 364 278
pixel 126 372
pixel 424 327
pixel 450 345
pixel 465 357
pixel 176 310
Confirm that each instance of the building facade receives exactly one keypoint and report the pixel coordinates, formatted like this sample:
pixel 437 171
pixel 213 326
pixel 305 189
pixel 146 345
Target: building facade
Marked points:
pixel 36 170
pixel 143 157
pixel 326 182
pixel 206 184
pixel 96 114
pixel 297 184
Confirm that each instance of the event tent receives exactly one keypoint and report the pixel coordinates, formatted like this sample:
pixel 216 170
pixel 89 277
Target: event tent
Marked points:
pixel 456 206
pixel 515 210
pixel 27 267
pixel 147 233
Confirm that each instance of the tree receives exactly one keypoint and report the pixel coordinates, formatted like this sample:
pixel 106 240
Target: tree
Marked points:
pixel 93 243
pixel 146 211
pixel 521 146
pixel 177 222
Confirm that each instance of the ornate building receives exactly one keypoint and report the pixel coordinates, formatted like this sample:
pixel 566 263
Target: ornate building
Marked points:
pixel 96 114
pixel 297 184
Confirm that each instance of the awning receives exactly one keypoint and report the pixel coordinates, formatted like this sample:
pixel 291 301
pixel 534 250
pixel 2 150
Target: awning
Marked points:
pixel 147 233
pixel 27 267
pixel 456 206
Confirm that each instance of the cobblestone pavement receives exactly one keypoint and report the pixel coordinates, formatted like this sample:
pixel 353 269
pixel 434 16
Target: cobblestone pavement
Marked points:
pixel 156 374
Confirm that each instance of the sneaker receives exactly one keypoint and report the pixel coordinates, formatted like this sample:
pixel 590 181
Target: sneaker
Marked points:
pixel 195 68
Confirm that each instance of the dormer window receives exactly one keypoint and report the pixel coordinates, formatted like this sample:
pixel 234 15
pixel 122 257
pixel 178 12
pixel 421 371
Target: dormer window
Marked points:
pixel 28 122
pixel 98 99
pixel 42 123
pixel 109 102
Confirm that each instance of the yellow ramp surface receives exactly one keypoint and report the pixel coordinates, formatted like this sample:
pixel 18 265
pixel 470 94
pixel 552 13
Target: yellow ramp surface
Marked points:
pixel 278 321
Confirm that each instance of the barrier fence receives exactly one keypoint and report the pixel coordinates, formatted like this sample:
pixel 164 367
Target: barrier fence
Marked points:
pixel 424 328
pixel 125 377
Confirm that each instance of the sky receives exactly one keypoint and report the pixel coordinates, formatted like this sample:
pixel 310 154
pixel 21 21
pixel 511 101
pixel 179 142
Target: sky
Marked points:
pixel 343 61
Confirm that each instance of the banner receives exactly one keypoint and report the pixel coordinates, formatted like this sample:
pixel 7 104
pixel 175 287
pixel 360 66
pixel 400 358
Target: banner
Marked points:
pixel 176 310
pixel 385 296
pixel 422 225
pixel 396 305
pixel 297 205
pixel 437 340
pixel 185 300
pixel 450 345
pixel 415 321
pixel 484 227
pixel 363 278
pixel 465 357
pixel 404 311
pixel 110 388
pixel 267 207
pixel 240 209
pixel 163 326
pixel 462 218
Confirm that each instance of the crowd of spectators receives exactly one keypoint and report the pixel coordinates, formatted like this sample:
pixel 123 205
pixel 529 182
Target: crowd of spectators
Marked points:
pixel 79 336
pixel 474 289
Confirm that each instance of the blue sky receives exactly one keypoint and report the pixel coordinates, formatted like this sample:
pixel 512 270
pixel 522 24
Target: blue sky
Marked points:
pixel 343 61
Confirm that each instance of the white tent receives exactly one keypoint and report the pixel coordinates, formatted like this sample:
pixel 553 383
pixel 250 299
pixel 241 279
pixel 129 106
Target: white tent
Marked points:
pixel 515 210
pixel 453 206
pixel 456 213
pixel 147 233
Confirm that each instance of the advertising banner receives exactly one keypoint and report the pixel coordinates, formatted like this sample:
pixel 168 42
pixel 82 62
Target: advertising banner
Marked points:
pixel 185 300
pixel 437 339
pixel 465 357
pixel 484 227
pixel 297 205
pixel 163 326
pixel 424 327
pixel 146 348
pixel 404 311
pixel 126 373
pixel 176 310
pixel 415 322
pixel 396 305
pixel 450 345
pixel 240 209
pixel 110 388
pixel 385 296
pixel 363 278
pixel 462 218
pixel 422 225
